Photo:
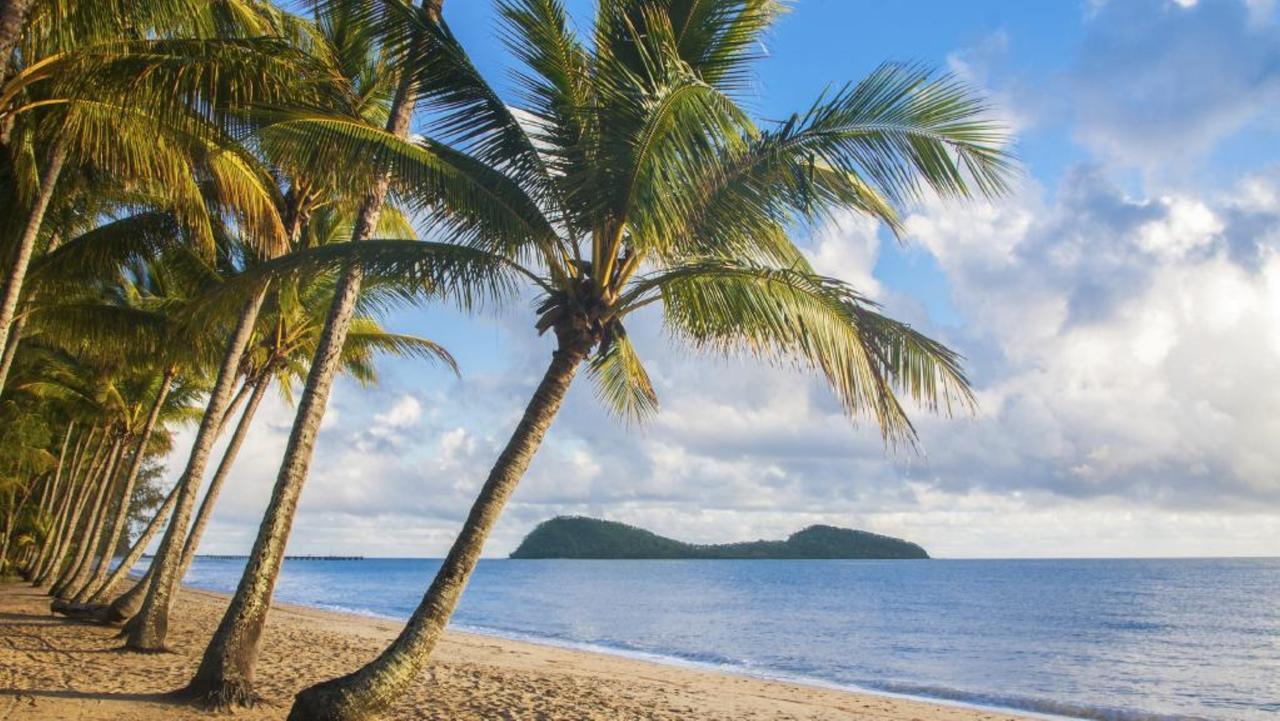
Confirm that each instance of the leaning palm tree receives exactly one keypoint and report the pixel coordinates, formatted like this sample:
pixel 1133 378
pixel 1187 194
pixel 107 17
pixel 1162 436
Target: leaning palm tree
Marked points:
pixel 225 675
pixel 356 103
pixel 633 179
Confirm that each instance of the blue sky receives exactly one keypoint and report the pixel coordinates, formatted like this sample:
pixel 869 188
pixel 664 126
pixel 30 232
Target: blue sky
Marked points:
pixel 1120 312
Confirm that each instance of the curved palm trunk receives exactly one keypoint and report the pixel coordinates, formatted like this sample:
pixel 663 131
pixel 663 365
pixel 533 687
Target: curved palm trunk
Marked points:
pixel 236 400
pixel 370 690
pixel 95 523
pixel 220 475
pixel 119 524
pixel 51 506
pixel 148 634
pixel 52 554
pixel 88 487
pixel 225 675
pixel 27 241
pixel 14 508
pixel 11 348
pixel 13 14
pixel 126 606
pixel 8 531
pixel 136 550
pixel 19 323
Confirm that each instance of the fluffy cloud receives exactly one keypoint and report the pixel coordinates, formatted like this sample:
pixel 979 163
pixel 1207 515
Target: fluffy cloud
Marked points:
pixel 1137 350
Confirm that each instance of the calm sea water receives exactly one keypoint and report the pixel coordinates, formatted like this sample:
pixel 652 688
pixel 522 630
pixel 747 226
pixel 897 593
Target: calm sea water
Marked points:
pixel 1097 639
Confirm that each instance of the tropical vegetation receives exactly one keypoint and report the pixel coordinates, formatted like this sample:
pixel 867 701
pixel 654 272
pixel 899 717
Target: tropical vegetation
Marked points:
pixel 207 199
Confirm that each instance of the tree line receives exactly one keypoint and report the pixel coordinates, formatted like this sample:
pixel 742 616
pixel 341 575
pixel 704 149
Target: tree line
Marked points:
pixel 208 199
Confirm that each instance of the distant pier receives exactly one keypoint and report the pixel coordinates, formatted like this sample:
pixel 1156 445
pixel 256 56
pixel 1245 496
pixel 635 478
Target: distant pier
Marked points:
pixel 219 557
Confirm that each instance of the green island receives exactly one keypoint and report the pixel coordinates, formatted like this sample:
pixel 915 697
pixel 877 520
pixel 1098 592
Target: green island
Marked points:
pixel 593 538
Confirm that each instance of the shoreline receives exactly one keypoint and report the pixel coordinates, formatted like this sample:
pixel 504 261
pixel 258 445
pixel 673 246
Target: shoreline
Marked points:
pixel 54 669
pixel 658 659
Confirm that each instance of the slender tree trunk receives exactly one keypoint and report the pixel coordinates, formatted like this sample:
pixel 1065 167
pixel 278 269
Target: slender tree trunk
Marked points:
pixel 220 475
pixel 11 348
pixel 54 538
pixel 49 498
pixel 225 676
pixel 136 550
pixel 127 604
pixel 49 490
pixel 57 570
pixel 119 525
pixel 13 15
pixel 236 400
pixel 153 623
pixel 87 545
pixel 27 241
pixel 8 530
pixel 14 509
pixel 19 323
pixel 69 495
pixel 373 688
pixel 94 525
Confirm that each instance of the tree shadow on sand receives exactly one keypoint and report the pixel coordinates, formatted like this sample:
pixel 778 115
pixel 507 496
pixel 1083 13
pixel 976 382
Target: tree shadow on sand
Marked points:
pixel 165 697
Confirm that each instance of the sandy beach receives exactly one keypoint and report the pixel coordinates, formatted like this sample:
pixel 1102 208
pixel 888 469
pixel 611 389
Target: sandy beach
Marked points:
pixel 52 669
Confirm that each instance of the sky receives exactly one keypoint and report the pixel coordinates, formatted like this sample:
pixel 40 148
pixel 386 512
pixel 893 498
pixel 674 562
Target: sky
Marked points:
pixel 1119 313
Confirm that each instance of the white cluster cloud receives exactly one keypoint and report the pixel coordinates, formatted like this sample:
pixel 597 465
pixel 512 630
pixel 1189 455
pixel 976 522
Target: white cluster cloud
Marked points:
pixel 1138 356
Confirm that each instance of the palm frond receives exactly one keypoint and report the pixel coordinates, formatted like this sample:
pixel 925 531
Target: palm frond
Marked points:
pixel 621 382
pixel 796 318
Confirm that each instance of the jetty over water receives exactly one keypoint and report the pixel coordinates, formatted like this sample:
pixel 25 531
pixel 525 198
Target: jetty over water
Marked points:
pixel 221 557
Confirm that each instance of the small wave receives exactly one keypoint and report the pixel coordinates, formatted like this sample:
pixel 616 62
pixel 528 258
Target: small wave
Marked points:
pixel 1046 707
pixel 1038 707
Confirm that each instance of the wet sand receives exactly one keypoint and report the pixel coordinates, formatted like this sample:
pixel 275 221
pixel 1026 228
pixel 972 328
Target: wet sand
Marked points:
pixel 52 669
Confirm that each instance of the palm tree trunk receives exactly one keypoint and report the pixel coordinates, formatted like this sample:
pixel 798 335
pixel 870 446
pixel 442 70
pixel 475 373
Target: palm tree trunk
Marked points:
pixel 57 571
pixel 94 525
pixel 126 606
pixel 135 551
pixel 153 623
pixel 55 535
pixel 15 509
pixel 225 675
pixel 236 400
pixel 49 500
pixel 11 348
pixel 370 690
pixel 120 522
pixel 70 492
pixel 8 530
pixel 220 475
pixel 19 323
pixel 27 241
pixel 13 14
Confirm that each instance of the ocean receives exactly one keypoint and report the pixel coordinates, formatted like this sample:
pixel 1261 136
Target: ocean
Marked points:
pixel 1115 640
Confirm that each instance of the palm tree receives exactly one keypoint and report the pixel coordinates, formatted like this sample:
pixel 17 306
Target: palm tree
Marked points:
pixel 147 631
pixel 225 674
pixel 88 93
pixel 639 181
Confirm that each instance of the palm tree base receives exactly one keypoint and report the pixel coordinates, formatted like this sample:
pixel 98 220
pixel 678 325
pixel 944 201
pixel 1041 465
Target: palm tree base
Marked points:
pixel 99 613
pixel 322 702
pixel 219 694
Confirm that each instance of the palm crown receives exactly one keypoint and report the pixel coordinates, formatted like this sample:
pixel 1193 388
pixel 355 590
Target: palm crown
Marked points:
pixel 630 175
